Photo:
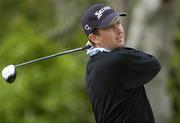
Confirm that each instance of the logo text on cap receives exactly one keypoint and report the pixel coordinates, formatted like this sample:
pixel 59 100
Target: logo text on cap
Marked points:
pixel 101 11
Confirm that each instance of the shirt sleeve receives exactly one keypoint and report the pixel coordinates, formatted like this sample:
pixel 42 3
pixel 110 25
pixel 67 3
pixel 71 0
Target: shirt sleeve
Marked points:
pixel 139 67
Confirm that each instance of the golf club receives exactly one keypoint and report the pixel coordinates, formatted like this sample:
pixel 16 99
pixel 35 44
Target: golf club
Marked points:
pixel 9 72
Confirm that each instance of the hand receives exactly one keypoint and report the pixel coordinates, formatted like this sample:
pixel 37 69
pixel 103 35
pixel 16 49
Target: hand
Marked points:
pixel 89 43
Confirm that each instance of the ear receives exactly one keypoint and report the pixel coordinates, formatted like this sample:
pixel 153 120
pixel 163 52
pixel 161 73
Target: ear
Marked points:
pixel 93 38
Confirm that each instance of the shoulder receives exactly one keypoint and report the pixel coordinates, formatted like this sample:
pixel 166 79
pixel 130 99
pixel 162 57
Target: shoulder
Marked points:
pixel 118 55
pixel 124 50
pixel 130 52
pixel 118 52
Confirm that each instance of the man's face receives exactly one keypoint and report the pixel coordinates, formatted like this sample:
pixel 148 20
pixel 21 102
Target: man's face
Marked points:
pixel 111 37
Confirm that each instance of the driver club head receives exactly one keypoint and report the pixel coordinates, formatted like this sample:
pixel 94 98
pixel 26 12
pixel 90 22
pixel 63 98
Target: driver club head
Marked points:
pixel 9 73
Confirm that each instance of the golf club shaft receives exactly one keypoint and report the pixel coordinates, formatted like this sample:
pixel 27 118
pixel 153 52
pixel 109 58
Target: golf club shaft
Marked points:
pixel 54 55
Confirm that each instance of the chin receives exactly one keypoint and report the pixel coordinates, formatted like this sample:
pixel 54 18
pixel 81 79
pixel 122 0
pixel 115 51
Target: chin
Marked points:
pixel 118 46
pixel 121 44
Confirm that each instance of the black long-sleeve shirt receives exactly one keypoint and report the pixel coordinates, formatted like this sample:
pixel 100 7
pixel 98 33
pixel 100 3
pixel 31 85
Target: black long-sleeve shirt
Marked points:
pixel 115 85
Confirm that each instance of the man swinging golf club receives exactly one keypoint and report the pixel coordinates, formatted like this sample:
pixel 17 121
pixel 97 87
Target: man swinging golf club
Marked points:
pixel 116 75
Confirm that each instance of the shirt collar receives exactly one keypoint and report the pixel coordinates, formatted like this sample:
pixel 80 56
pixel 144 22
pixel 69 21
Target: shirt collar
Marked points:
pixel 92 51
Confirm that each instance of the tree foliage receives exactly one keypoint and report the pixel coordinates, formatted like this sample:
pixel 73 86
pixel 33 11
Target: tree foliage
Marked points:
pixel 46 92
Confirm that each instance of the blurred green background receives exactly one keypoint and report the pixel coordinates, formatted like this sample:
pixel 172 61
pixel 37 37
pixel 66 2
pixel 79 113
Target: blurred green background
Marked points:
pixel 53 91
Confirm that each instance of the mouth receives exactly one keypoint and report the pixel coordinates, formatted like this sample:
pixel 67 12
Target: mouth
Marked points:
pixel 120 38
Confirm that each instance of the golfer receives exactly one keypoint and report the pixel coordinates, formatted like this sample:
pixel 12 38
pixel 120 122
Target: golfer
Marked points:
pixel 116 75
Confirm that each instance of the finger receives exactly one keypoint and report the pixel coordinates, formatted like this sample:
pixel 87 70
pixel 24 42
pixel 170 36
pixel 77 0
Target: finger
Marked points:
pixel 89 43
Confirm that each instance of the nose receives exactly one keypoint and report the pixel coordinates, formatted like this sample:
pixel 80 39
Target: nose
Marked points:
pixel 118 28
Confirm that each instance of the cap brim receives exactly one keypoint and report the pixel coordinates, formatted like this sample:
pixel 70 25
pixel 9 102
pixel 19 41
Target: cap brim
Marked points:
pixel 108 20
